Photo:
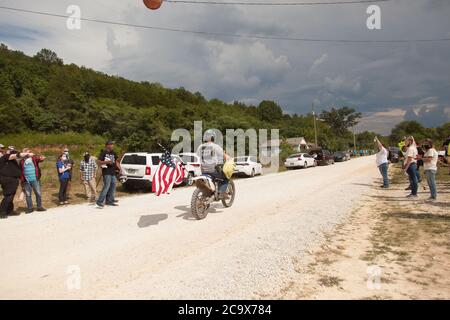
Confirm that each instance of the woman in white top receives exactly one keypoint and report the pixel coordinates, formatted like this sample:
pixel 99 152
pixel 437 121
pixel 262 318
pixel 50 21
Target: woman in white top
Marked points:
pixel 430 167
pixel 382 163
pixel 410 165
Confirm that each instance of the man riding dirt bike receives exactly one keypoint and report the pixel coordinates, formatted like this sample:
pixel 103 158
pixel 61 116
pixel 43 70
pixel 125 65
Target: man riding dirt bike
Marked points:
pixel 213 185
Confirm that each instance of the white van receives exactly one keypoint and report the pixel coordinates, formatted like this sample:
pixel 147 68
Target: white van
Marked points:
pixel 138 168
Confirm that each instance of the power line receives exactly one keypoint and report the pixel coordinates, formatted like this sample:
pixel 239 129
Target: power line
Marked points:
pixel 221 34
pixel 272 3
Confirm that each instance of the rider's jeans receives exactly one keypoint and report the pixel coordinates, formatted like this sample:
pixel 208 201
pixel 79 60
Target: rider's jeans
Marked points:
pixel 222 184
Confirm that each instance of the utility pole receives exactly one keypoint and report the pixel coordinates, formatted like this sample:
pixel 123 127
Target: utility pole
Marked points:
pixel 315 126
pixel 354 141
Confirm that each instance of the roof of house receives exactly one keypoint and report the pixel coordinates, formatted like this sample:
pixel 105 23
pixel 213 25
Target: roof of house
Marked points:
pixel 291 141
pixel 296 141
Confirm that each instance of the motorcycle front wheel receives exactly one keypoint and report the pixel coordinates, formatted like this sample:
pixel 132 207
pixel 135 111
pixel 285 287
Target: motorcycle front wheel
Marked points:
pixel 231 191
pixel 199 206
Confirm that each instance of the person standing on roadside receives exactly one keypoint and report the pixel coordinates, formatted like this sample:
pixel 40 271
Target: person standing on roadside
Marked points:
pixel 410 165
pixel 9 179
pixel 430 167
pixel 70 163
pixel 382 162
pixel 2 150
pixel 64 169
pixel 31 174
pixel 88 174
pixel 109 162
pixel 447 152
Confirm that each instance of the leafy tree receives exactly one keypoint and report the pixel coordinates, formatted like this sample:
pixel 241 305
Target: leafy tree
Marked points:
pixel 270 111
pixel 340 120
pixel 409 128
pixel 49 57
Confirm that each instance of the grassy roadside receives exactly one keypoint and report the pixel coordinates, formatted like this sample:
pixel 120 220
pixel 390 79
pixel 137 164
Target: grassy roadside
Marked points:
pixel 51 146
pixel 407 241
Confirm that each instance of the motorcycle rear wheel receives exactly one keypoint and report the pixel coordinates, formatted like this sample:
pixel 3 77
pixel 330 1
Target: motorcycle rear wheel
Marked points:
pixel 231 191
pixel 199 208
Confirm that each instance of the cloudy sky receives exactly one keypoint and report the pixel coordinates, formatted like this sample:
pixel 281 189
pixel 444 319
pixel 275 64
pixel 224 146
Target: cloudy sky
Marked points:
pixel 387 82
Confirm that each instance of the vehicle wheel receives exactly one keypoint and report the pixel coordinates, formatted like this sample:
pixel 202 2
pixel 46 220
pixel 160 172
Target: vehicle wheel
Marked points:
pixel 231 191
pixel 253 173
pixel 198 207
pixel 305 165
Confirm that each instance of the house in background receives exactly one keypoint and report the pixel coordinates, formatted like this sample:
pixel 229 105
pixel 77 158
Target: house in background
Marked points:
pixel 273 147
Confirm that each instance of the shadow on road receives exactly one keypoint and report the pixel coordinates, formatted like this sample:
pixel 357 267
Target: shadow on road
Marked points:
pixel 187 215
pixel 151 220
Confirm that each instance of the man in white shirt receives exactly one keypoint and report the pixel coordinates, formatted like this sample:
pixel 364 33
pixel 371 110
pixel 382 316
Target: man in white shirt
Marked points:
pixel 211 156
pixel 410 166
pixel 382 163
pixel 430 167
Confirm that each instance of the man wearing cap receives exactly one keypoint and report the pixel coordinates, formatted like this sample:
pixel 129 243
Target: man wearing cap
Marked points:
pixel 10 173
pixel 30 178
pixel 109 162
pixel 88 173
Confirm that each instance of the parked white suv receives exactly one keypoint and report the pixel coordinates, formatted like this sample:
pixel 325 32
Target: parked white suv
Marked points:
pixel 300 160
pixel 138 168
pixel 248 166
pixel 192 164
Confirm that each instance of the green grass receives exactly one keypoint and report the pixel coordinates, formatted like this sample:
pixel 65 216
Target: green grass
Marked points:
pixel 52 144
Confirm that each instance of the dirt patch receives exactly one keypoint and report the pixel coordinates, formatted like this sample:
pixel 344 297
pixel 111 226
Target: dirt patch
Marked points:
pixel 389 248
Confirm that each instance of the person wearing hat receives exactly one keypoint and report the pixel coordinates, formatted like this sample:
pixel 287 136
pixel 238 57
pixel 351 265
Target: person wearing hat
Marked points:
pixel 88 173
pixel 212 157
pixel 109 162
pixel 10 173
pixel 30 178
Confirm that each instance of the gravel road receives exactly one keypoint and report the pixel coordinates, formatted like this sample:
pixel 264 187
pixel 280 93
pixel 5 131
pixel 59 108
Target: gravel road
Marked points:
pixel 151 248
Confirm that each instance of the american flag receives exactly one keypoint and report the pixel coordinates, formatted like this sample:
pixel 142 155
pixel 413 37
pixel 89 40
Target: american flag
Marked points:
pixel 167 174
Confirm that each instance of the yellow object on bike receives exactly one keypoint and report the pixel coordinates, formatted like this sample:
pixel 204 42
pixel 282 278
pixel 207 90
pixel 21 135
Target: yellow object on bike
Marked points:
pixel 228 168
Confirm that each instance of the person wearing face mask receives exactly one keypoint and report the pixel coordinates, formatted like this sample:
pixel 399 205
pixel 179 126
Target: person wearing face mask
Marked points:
pixel 70 163
pixel 64 169
pixel 410 166
pixel 31 174
pixel 430 167
pixel 88 173
pixel 9 179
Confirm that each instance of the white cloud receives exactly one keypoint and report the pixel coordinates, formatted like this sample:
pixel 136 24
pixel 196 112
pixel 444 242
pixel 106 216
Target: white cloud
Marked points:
pixel 245 65
pixel 323 58
pixel 370 77
pixel 341 84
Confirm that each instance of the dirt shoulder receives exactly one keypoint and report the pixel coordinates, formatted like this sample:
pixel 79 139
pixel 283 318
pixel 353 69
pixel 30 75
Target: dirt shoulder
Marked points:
pixel 389 248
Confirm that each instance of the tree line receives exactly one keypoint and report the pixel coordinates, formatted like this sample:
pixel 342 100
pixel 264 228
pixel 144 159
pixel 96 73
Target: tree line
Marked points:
pixel 42 94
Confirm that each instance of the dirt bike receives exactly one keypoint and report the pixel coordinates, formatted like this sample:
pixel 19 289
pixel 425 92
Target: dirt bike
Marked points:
pixel 207 193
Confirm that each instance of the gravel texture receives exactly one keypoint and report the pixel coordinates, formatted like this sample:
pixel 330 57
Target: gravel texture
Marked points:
pixel 152 248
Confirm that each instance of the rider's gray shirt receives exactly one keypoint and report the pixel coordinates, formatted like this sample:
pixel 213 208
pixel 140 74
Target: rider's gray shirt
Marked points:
pixel 210 155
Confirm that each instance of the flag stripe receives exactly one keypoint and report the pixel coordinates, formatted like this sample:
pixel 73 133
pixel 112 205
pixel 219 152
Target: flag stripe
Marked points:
pixel 167 174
